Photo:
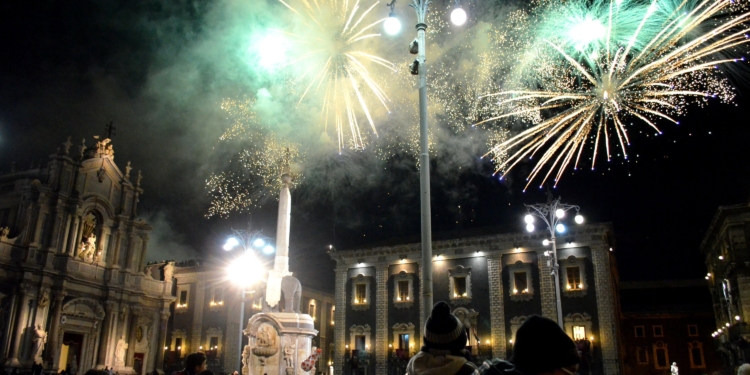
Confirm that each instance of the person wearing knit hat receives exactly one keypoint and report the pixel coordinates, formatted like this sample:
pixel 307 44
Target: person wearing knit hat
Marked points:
pixel 444 347
pixel 541 348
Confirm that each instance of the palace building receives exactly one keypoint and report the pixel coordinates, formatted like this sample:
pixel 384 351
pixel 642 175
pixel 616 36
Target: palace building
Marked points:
pixel 75 292
pixel 492 280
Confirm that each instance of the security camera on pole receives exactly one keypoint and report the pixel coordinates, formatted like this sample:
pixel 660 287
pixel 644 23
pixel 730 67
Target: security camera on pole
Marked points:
pixel 552 214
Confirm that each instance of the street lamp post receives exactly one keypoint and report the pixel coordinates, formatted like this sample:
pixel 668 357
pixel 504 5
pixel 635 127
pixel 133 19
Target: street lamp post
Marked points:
pixel 419 67
pixel 246 268
pixel 551 214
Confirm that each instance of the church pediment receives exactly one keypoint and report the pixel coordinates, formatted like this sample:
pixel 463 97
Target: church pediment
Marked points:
pixel 84 308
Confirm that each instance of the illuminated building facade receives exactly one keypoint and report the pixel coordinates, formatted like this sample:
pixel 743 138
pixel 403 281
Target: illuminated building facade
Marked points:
pixel 75 291
pixel 493 281
pixel 727 256
pixel 206 317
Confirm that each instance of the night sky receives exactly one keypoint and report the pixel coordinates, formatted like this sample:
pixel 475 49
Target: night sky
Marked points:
pixel 158 69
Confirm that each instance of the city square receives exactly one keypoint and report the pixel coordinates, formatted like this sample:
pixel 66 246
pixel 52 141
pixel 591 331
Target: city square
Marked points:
pixel 306 186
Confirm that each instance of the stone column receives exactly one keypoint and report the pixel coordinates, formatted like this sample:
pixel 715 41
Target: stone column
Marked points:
pixel 547 288
pixel 116 246
pixel 109 307
pixel 52 344
pixel 21 313
pixel 497 306
pixel 144 248
pixel 339 331
pixel 66 233
pixel 72 236
pixel 130 334
pixel 605 305
pixel 381 318
pixel 130 250
pixel 159 363
pixel 197 331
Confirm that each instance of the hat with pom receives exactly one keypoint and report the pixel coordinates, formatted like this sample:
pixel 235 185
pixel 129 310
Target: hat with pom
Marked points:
pixel 443 331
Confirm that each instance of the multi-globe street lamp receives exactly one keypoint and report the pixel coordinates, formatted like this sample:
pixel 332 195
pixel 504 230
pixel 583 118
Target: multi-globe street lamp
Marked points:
pixel 392 26
pixel 246 269
pixel 552 213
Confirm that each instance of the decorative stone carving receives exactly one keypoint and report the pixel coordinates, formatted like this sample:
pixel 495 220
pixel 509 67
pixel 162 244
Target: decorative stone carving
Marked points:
pixel 468 318
pixel 124 312
pixel 87 248
pixel 84 308
pixel 4 231
pixel 289 350
pixel 43 298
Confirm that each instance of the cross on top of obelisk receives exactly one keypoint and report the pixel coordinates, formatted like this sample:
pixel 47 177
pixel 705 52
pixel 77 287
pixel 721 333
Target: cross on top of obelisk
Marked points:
pixel 110 129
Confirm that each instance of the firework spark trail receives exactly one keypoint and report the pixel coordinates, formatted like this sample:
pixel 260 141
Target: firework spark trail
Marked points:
pixel 646 80
pixel 253 173
pixel 338 64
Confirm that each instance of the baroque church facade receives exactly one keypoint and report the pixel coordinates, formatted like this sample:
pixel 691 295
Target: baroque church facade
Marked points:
pixel 75 292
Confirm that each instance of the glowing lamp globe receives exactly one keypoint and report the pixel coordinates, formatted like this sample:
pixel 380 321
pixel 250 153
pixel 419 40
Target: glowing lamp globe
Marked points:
pixel 560 213
pixel 529 227
pixel 560 228
pixel 231 243
pixel 268 249
pixel 259 242
pixel 529 219
pixel 392 25
pixel 244 270
pixel 458 16
pixel 545 242
pixel 579 219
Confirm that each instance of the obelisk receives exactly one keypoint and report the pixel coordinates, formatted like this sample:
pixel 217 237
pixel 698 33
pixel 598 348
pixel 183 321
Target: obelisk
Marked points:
pixel 281 261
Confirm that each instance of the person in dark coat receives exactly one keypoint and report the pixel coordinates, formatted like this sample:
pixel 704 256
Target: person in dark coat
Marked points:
pixel 541 348
pixel 444 351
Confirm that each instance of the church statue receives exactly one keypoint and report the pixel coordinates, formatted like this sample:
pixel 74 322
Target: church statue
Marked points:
pixel 88 248
pixel 40 338
pixel 120 349
pixel 674 370
pixel 43 298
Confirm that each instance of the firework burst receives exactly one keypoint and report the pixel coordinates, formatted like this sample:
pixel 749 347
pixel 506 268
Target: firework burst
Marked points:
pixel 335 61
pixel 593 91
pixel 258 159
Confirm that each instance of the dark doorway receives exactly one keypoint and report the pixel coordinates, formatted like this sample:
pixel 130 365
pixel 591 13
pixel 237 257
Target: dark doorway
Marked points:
pixel 138 363
pixel 72 344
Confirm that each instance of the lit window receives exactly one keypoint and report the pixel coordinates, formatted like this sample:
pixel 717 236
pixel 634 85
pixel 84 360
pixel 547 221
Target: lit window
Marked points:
pixel 360 298
pixel 658 331
pixel 311 309
pixel 403 287
pixel 573 271
pixel 640 331
pixel 403 341
pixel 403 290
pixel 522 285
pixel 579 333
pixel 574 278
pixel 359 342
pixel 459 286
pixel 333 314
pixel 183 300
pixel 361 294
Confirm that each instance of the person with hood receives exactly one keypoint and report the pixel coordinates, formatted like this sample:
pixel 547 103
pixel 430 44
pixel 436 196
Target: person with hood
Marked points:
pixel 541 348
pixel 444 351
